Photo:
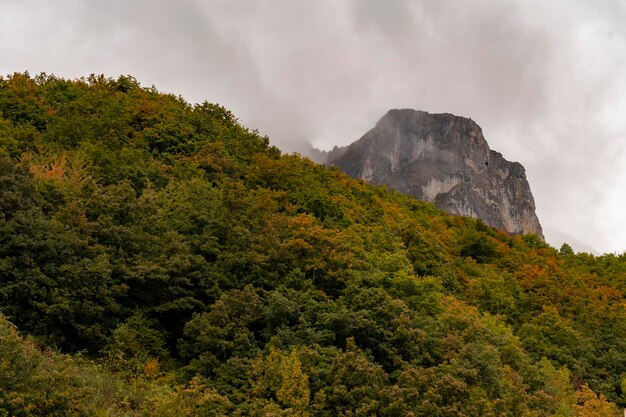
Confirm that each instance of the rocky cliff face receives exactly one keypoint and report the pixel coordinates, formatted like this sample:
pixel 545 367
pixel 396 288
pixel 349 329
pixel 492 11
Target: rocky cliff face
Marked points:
pixel 444 159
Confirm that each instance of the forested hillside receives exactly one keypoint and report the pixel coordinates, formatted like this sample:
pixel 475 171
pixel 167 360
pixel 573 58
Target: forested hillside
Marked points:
pixel 159 259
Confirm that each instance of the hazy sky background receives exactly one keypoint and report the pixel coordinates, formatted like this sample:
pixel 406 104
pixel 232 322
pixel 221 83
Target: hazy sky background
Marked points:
pixel 546 80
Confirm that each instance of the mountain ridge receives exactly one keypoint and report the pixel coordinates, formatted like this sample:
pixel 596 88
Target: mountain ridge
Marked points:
pixel 160 259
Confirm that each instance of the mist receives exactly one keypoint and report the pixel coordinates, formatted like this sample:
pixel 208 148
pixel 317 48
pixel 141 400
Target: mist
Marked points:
pixel 544 80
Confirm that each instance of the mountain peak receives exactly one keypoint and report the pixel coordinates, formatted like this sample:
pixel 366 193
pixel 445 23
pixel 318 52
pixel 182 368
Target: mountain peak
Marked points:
pixel 444 159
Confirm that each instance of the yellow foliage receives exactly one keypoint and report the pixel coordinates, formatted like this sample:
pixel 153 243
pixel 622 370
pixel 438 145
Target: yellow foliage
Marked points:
pixel 151 368
pixel 280 375
pixel 590 405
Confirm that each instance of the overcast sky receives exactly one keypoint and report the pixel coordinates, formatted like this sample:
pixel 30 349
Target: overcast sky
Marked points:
pixel 546 80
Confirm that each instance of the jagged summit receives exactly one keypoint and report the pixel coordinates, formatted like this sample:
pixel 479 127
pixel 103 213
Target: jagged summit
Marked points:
pixel 444 159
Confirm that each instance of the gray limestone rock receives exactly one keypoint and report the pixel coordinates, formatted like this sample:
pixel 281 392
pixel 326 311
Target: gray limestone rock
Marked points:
pixel 444 159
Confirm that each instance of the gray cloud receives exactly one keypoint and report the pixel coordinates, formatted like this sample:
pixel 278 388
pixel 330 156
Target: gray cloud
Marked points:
pixel 543 79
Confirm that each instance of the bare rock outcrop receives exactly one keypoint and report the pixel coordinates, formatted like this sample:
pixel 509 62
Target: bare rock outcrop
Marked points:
pixel 444 159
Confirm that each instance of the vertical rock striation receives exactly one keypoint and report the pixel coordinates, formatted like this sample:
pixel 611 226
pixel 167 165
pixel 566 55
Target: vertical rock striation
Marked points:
pixel 444 159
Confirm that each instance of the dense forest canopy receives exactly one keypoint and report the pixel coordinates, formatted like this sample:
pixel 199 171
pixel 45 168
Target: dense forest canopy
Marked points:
pixel 159 258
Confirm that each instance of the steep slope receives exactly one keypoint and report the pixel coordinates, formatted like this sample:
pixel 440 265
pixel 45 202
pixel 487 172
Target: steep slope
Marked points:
pixel 207 274
pixel 443 159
